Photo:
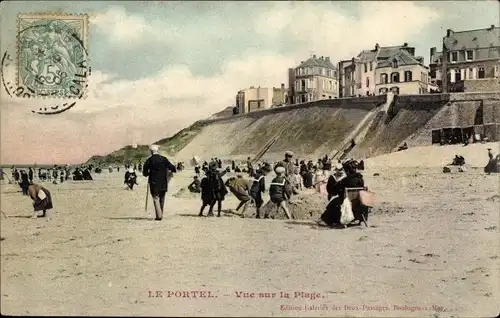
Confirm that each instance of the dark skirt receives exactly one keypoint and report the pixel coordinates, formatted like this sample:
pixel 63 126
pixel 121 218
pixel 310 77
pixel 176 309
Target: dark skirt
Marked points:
pixel 257 198
pixel 45 204
pixel 332 212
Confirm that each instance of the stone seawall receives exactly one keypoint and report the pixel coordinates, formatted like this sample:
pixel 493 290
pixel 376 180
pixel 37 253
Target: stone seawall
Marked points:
pixel 366 103
pixel 312 130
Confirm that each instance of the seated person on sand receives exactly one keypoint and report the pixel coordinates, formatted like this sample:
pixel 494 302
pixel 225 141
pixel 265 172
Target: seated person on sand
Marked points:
pixel 42 200
pixel 195 186
pixel 403 147
pixel 458 161
pixel 353 179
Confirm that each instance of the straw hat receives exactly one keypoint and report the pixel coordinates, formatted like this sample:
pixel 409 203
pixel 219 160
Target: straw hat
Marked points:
pixel 288 153
pixel 280 170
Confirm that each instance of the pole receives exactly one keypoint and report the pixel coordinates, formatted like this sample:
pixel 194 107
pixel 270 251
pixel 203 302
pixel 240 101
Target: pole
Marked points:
pixel 147 196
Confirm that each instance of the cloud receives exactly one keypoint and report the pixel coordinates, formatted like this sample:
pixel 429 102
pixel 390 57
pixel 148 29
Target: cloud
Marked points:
pixel 128 30
pixel 120 111
pixel 330 31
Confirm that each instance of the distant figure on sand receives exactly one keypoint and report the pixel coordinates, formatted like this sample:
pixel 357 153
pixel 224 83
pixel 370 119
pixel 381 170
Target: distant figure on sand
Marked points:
pixel 24 184
pixel 156 168
pixel 42 200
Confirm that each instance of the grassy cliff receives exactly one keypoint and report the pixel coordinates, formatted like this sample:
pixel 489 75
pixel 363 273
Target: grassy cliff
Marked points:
pixel 170 145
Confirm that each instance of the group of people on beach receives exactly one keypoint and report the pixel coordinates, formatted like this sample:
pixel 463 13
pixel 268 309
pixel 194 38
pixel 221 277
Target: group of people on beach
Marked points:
pixel 291 177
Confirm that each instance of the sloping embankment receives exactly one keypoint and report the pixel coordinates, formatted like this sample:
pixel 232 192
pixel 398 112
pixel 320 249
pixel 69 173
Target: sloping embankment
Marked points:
pixel 412 118
pixel 310 130
pixel 378 125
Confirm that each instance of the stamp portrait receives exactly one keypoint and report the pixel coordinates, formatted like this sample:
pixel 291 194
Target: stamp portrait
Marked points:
pixel 52 59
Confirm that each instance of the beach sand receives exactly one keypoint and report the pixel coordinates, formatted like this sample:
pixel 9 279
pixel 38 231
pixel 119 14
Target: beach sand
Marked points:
pixel 432 251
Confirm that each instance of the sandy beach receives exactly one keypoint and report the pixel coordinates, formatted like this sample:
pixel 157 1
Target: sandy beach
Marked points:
pixel 431 250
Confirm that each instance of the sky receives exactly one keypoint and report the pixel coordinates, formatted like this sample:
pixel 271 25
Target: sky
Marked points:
pixel 157 67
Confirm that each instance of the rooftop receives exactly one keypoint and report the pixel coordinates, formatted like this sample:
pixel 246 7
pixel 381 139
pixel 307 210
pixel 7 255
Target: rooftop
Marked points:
pixel 383 53
pixel 402 57
pixel 480 38
pixel 318 61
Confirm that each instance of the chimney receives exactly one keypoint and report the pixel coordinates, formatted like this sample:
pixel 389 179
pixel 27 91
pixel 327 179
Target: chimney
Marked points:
pixel 314 56
pixel 377 47
pixel 405 44
pixel 327 59
pixel 301 62
pixel 449 32
pixel 322 57
pixel 282 85
pixel 492 27
pixel 433 51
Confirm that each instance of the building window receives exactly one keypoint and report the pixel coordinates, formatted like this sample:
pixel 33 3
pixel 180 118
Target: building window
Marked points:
pixel 367 82
pixel 408 76
pixel 394 63
pixel 371 66
pixel 395 77
pixel 453 57
pixel 366 68
pixel 471 73
pixel 458 75
pixel 395 90
pixel 383 78
pixel 469 55
pixel 481 73
pixel 310 97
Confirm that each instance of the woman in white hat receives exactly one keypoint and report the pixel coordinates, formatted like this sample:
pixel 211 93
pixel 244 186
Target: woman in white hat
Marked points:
pixel 130 178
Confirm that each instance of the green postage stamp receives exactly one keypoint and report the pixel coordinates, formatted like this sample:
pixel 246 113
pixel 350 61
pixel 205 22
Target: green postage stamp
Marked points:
pixel 52 59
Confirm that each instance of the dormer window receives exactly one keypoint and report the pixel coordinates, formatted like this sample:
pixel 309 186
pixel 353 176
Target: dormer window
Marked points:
pixel 394 63
pixel 469 55
pixel 453 57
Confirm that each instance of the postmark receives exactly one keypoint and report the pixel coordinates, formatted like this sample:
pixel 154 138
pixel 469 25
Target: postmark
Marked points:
pixel 52 58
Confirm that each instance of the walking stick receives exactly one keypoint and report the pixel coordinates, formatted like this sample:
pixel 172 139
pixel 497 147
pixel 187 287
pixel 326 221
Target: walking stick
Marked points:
pixel 147 196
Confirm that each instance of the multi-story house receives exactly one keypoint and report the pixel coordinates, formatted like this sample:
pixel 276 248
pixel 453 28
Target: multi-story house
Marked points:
pixel 471 60
pixel 258 98
pixel 314 79
pixel 402 73
pixel 435 68
pixel 360 72
pixel 347 82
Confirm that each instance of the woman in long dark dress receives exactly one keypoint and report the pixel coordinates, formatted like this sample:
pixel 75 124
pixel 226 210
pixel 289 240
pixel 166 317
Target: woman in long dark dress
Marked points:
pixel 353 179
pixel 213 190
pixel 42 200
